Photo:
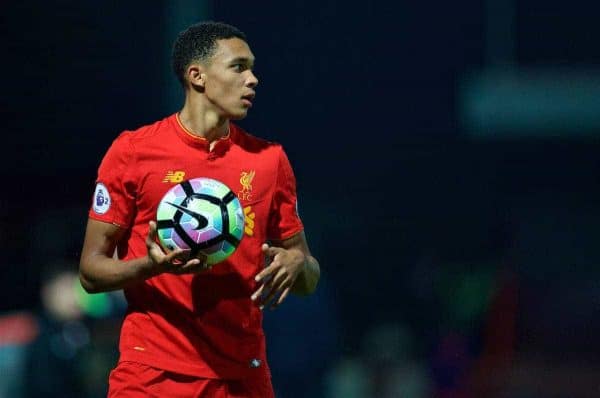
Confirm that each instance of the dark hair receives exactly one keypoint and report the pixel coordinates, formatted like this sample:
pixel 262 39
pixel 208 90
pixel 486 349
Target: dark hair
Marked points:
pixel 198 42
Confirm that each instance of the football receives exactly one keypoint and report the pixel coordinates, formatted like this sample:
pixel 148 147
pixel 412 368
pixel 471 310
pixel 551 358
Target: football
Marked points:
pixel 201 215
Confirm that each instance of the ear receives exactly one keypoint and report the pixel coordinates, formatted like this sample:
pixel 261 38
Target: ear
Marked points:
pixel 196 76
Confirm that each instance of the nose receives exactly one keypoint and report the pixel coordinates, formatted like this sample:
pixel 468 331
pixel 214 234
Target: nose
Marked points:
pixel 252 80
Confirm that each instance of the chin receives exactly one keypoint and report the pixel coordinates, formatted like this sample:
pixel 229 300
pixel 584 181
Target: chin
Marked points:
pixel 238 115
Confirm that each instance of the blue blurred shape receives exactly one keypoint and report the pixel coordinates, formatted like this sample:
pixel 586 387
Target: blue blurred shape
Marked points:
pixel 531 102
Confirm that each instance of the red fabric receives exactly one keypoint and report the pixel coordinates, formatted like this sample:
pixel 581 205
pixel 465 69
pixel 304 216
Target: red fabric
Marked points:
pixel 131 380
pixel 206 324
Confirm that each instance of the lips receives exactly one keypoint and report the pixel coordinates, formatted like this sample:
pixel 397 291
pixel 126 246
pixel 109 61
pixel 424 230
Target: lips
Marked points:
pixel 247 99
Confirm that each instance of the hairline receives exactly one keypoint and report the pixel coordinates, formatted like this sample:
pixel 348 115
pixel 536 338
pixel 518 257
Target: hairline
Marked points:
pixel 209 57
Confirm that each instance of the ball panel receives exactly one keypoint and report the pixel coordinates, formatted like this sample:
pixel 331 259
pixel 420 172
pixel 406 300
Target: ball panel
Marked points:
pixel 218 253
pixel 210 187
pixel 179 241
pixel 208 234
pixel 236 218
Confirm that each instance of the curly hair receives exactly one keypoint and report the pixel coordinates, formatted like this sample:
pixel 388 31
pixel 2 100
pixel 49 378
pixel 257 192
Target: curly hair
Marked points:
pixel 198 42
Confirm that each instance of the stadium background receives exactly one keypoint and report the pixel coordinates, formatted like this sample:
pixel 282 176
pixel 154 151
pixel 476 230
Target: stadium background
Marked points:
pixel 447 164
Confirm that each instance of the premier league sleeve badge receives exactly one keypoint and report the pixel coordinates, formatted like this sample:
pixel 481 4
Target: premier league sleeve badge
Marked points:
pixel 101 199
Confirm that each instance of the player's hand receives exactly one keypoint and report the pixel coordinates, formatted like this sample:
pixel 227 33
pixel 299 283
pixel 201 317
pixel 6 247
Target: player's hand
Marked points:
pixel 175 262
pixel 279 276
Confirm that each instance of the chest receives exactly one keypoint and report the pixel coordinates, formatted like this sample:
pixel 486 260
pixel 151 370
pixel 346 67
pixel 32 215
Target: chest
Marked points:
pixel 251 178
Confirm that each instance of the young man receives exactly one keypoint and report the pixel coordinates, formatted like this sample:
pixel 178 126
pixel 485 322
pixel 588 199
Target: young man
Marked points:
pixel 193 330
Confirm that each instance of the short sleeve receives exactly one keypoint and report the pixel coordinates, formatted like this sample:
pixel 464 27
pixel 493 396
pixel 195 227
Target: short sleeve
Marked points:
pixel 284 221
pixel 115 193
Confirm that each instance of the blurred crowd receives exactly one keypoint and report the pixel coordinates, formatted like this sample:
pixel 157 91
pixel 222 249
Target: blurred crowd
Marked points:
pixel 67 346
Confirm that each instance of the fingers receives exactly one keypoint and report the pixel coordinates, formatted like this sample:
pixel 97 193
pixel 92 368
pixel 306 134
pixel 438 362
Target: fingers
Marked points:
pixel 277 290
pixel 152 230
pixel 177 261
pixel 180 263
pixel 283 296
pixel 276 278
pixel 177 256
pixel 192 266
pixel 151 238
pixel 258 293
pixel 271 288
pixel 266 272
pixel 203 259
pixel 270 251
pixel 269 298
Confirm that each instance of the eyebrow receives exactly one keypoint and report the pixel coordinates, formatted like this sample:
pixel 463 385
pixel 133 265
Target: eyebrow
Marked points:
pixel 244 60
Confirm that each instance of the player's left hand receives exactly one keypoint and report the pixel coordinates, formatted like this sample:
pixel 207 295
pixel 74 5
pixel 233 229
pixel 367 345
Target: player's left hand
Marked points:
pixel 279 276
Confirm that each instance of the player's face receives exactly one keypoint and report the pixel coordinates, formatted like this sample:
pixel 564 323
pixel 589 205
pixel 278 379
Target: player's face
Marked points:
pixel 229 81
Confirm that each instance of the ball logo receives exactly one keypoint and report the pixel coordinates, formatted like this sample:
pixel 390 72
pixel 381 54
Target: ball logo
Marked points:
pixel 101 199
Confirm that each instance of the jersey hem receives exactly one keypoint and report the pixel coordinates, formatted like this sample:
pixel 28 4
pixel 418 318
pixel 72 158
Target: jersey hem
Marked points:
pixel 198 370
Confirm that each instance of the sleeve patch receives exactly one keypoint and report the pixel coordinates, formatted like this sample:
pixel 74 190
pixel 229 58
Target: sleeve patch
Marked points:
pixel 102 200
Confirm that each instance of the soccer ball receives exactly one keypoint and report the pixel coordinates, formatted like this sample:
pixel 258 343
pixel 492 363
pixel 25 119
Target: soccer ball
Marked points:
pixel 201 215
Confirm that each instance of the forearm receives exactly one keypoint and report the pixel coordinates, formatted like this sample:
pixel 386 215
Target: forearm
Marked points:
pixel 99 273
pixel 306 283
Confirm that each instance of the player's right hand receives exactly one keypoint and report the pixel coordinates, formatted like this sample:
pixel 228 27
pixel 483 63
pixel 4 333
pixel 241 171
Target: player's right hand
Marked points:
pixel 175 262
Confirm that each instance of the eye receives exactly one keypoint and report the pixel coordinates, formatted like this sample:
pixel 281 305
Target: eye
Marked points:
pixel 239 67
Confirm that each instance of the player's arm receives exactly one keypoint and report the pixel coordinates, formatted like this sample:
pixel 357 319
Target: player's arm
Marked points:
pixel 292 269
pixel 307 280
pixel 99 271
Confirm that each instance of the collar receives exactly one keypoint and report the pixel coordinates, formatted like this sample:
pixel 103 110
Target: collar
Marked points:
pixel 221 145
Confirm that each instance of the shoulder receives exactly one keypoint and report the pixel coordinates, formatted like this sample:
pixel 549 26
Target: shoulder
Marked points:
pixel 252 143
pixel 145 132
pixel 128 142
pixel 268 152
pixel 244 138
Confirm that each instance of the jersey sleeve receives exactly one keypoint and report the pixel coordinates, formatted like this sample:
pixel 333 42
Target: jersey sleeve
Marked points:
pixel 284 221
pixel 115 193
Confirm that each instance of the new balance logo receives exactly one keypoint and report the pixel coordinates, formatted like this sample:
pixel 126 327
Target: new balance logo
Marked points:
pixel 174 176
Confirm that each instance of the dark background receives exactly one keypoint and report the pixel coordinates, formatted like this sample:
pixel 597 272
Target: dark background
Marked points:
pixel 459 248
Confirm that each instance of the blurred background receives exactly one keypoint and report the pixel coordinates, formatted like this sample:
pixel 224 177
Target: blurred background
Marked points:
pixel 447 163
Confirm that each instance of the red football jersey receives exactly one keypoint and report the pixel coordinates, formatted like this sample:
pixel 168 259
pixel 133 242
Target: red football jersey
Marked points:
pixel 203 324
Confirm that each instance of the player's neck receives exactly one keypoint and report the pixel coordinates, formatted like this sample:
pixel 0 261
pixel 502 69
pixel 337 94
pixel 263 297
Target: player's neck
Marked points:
pixel 205 123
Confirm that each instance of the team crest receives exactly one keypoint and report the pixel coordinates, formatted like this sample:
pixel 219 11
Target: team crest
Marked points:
pixel 246 178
